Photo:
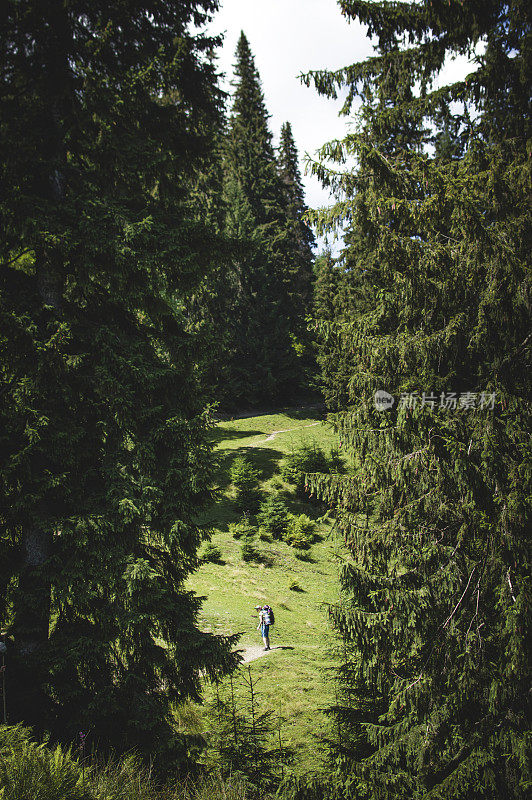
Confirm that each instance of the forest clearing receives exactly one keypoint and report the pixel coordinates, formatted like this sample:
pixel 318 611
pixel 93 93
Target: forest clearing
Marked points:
pixel 296 680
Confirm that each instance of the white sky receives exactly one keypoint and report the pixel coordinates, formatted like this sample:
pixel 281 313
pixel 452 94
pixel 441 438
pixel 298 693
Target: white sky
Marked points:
pixel 288 37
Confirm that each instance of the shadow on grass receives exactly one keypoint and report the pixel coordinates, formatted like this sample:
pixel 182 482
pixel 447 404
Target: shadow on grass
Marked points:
pixel 220 433
pixel 312 508
pixel 306 413
pixel 264 460
pixel 263 558
pixel 305 557
pixel 220 515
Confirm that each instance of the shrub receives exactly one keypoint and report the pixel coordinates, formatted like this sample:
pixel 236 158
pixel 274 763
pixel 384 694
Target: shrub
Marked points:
pixel 307 458
pixel 310 458
pixel 245 479
pixel 248 551
pixel 212 554
pixel 264 536
pixel 242 529
pixel 273 516
pixel 336 462
pixel 300 532
pixel 31 770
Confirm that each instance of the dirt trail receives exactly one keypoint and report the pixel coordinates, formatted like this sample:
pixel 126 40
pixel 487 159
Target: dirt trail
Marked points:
pixel 252 653
pixel 285 430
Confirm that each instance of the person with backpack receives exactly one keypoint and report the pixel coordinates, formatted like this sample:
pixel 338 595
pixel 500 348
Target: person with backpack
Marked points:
pixel 266 618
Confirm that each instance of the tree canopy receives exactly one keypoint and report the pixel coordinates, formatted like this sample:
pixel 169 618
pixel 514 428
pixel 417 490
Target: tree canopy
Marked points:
pixel 104 454
pixel 433 308
pixel 265 291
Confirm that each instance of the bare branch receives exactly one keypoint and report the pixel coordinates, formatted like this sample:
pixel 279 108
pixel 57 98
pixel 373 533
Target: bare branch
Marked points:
pixel 453 612
pixel 510 585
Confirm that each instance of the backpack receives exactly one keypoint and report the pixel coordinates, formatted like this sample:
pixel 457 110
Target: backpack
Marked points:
pixel 268 615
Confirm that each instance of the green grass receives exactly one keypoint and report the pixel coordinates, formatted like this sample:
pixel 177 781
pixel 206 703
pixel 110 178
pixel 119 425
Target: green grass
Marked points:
pixel 295 680
pixel 29 769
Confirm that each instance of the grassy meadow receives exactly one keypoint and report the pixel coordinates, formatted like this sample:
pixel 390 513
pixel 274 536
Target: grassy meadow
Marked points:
pixel 294 679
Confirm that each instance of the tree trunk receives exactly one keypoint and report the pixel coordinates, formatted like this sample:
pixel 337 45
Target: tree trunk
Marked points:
pixel 32 612
pixel 27 662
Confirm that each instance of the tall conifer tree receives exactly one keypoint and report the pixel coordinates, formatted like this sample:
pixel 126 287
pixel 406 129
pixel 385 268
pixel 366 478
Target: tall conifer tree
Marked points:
pixel 103 453
pixel 329 307
pixel 300 238
pixel 435 615
pixel 262 364
pixel 326 287
pixel 251 163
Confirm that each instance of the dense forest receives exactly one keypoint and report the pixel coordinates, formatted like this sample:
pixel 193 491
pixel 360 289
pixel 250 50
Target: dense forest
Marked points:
pixel 159 271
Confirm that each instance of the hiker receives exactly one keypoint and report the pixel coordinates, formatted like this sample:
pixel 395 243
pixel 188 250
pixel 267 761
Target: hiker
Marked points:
pixel 265 620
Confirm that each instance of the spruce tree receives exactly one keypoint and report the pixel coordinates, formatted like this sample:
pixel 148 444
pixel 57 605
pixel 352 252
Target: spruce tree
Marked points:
pixel 435 612
pixel 325 295
pixel 245 741
pixel 251 162
pixel 329 305
pixel 300 238
pixel 104 459
pixel 205 310
pixel 262 362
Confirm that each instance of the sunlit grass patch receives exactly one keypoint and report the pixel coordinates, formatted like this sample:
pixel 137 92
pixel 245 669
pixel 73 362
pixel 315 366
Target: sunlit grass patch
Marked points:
pixel 295 677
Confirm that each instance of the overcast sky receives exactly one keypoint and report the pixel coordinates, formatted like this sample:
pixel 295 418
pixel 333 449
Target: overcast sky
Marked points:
pixel 289 37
